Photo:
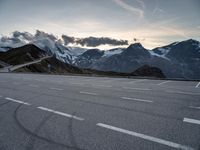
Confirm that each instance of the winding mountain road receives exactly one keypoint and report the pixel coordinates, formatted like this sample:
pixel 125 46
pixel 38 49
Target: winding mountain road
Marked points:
pixel 12 68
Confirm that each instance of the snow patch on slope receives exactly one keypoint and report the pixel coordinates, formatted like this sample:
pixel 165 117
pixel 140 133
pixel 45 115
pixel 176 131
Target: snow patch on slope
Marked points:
pixel 163 51
pixel 109 53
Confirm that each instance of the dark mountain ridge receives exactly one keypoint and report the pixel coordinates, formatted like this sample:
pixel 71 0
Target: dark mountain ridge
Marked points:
pixel 30 53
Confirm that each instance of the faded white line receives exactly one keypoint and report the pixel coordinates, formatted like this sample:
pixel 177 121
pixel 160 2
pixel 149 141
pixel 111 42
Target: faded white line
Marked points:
pixel 194 121
pixel 58 89
pixel 163 82
pixel 88 93
pixel 194 107
pixel 61 113
pixel 16 101
pixel 32 85
pixel 197 85
pixel 77 83
pixel 108 86
pixel 180 92
pixel 130 88
pixel 138 81
pixel 146 137
pixel 136 99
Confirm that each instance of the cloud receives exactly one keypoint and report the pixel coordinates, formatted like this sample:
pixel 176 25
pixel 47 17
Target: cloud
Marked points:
pixel 158 11
pixel 68 40
pixel 141 2
pixel 41 34
pixel 93 41
pixel 131 8
pixel 25 35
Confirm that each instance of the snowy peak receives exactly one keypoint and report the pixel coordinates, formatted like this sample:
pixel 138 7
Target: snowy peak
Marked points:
pixel 136 50
pixel 111 52
pixel 136 46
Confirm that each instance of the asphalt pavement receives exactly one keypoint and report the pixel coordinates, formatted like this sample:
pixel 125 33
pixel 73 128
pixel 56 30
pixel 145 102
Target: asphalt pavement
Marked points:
pixel 55 112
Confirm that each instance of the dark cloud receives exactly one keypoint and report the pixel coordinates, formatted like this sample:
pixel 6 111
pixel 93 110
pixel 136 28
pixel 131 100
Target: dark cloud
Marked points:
pixel 45 35
pixel 10 39
pixel 25 35
pixel 67 39
pixel 93 41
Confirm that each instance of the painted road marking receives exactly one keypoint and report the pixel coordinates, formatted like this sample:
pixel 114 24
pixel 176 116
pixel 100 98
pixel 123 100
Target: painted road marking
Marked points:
pixel 137 81
pixel 108 86
pixel 136 99
pixel 130 88
pixel 77 83
pixel 16 101
pixel 194 121
pixel 58 89
pixel 180 92
pixel 88 93
pixel 194 107
pixel 163 82
pixel 146 137
pixel 197 85
pixel 61 113
pixel 32 85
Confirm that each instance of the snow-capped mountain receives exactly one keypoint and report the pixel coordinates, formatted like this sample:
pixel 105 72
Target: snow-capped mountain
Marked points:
pixel 44 41
pixel 177 60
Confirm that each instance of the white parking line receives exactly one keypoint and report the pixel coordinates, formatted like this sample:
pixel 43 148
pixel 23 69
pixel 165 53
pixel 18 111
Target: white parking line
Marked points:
pixel 58 89
pixel 194 107
pixel 146 137
pixel 130 88
pixel 180 92
pixel 163 82
pixel 88 93
pixel 136 99
pixel 77 83
pixel 108 86
pixel 137 81
pixel 197 85
pixel 61 113
pixel 16 101
pixel 32 85
pixel 194 121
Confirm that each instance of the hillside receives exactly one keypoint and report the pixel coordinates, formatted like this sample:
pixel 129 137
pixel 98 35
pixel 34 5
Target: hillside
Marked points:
pixel 22 54
pixel 29 53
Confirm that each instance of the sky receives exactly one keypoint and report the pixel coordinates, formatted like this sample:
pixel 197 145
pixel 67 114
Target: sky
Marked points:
pixel 153 23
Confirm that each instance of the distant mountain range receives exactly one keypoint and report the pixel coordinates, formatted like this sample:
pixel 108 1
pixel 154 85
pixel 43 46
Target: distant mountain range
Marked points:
pixel 22 56
pixel 177 60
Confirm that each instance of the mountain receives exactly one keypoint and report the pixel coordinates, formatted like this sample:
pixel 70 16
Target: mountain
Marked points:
pixel 183 57
pixel 177 60
pixel 47 42
pixel 22 54
pixel 31 53
pixel 148 71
